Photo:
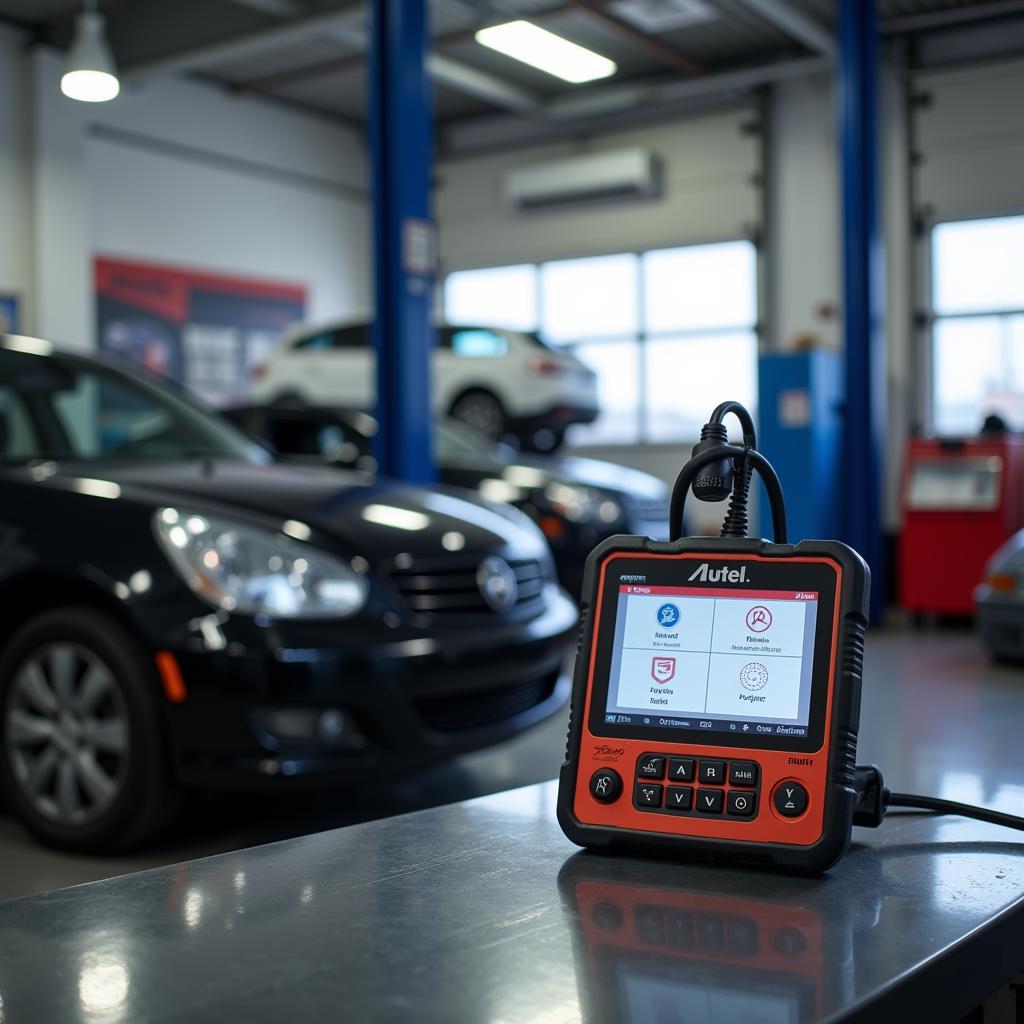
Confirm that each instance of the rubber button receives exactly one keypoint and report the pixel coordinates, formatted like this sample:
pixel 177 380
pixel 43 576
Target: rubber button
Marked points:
pixel 740 804
pixel 651 766
pixel 709 801
pixel 647 794
pixel 679 798
pixel 742 773
pixel 605 785
pixel 680 769
pixel 712 772
pixel 790 799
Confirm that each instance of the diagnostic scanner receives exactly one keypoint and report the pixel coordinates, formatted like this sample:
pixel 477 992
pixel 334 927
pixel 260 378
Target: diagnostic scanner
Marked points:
pixel 716 693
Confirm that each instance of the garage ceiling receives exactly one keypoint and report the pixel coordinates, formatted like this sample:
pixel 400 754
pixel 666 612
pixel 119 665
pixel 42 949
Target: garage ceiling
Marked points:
pixel 311 53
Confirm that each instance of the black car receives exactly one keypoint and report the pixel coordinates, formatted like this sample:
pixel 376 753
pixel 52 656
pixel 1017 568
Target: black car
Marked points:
pixel 179 609
pixel 577 502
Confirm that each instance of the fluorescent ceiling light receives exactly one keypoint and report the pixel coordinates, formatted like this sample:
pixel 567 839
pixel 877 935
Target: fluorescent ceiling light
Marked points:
pixel 542 49
pixel 90 74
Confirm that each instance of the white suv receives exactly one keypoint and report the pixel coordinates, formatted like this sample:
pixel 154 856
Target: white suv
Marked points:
pixel 500 382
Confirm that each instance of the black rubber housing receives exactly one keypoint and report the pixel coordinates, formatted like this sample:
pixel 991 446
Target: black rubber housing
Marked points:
pixel 840 797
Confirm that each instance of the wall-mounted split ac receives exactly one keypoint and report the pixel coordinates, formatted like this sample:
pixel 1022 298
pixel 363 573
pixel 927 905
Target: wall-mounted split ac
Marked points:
pixel 616 174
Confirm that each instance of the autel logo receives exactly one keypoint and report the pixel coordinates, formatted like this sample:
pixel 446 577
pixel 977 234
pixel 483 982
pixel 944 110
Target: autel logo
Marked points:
pixel 705 574
pixel 801 760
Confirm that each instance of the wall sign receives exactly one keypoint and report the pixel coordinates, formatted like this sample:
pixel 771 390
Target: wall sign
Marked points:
pixel 10 319
pixel 205 331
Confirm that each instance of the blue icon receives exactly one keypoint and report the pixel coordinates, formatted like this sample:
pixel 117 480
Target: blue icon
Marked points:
pixel 668 616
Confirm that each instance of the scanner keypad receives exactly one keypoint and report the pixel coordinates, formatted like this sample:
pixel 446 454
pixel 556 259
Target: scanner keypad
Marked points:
pixel 712 787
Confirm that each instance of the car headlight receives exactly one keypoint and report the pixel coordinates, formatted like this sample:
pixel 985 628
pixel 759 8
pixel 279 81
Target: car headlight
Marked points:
pixel 252 570
pixel 582 504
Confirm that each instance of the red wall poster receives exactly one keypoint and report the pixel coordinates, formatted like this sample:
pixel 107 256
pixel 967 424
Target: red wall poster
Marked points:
pixel 205 331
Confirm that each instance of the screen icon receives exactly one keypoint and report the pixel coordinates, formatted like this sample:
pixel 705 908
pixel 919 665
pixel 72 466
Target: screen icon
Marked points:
pixel 753 676
pixel 663 669
pixel 758 619
pixel 668 615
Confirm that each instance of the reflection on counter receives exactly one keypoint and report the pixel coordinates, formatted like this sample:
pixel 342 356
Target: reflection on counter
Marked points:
pixel 667 952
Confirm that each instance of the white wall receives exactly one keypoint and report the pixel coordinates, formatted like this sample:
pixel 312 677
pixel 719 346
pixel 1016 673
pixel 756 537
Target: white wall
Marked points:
pixel 177 171
pixel 803 258
pixel 16 237
pixel 971 139
pixel 709 194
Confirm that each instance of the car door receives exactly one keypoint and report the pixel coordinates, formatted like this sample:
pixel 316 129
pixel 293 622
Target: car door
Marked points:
pixel 349 369
pixel 469 358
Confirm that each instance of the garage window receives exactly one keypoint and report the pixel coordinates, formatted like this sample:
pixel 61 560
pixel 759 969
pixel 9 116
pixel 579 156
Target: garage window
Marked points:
pixel 977 323
pixel 669 332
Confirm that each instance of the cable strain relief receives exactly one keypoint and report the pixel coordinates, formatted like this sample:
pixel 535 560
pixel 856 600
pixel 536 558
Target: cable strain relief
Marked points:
pixel 872 796
pixel 714 432
pixel 737 520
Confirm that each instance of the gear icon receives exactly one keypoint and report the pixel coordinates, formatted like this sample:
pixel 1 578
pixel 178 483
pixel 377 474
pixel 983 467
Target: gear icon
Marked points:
pixel 753 676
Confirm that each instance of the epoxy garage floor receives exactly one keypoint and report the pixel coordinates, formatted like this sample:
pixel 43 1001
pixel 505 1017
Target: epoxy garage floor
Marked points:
pixel 925 685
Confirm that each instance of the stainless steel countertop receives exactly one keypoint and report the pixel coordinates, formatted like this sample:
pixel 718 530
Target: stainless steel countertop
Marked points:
pixel 482 911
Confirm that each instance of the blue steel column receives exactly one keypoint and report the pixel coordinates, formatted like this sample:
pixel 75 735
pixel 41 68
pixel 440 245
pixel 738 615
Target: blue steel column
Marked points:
pixel 863 291
pixel 401 141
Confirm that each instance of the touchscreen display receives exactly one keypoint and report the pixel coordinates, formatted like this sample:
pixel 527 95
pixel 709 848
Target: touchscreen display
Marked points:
pixel 724 660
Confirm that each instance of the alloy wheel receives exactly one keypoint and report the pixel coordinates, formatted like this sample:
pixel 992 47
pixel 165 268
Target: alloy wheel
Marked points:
pixel 483 413
pixel 67 730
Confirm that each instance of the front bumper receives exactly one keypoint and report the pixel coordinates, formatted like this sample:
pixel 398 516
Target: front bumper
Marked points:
pixel 407 703
pixel 1001 624
pixel 555 417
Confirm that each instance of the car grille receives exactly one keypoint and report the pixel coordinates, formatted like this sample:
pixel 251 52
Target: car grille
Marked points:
pixel 467 711
pixel 450 587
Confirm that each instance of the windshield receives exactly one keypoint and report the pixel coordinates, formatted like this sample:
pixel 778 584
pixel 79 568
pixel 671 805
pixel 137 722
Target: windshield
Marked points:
pixel 68 408
pixel 454 438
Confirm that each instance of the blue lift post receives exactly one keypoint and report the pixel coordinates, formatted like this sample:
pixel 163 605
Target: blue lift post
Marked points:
pixel 401 140
pixel 863 290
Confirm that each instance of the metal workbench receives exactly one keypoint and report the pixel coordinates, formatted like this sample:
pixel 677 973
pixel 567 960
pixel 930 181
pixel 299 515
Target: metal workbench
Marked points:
pixel 482 911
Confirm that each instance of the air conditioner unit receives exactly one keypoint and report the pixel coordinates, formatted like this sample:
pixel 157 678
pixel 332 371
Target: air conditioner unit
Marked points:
pixel 617 174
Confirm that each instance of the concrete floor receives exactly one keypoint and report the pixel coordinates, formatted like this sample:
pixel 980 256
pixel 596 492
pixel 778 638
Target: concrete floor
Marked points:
pixel 930 671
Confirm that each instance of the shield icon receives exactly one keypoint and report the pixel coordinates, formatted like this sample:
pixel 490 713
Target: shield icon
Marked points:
pixel 663 669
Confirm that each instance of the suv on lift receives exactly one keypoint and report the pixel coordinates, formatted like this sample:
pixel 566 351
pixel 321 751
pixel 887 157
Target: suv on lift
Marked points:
pixel 502 383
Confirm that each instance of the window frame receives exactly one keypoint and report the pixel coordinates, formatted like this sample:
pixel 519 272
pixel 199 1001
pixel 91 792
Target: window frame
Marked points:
pixel 643 335
pixel 928 318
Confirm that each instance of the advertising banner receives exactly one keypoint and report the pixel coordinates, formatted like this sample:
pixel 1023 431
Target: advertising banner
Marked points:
pixel 205 331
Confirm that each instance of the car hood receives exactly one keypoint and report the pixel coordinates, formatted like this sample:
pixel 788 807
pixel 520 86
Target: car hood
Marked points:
pixel 377 520
pixel 538 471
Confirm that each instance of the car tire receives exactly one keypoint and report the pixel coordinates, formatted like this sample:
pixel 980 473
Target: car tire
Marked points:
pixel 546 440
pixel 83 757
pixel 482 411
pixel 288 400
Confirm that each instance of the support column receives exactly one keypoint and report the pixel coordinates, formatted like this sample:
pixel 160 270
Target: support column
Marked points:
pixel 863 291
pixel 401 140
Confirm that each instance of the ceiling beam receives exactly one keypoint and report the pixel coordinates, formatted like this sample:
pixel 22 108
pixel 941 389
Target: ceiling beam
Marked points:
pixel 346 62
pixel 952 16
pixel 656 47
pixel 480 84
pixel 278 8
pixel 347 27
pixel 796 24
pixel 609 106
pixel 347 23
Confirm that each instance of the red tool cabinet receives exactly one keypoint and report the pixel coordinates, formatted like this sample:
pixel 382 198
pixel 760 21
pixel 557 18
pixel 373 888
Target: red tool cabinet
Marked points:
pixel 961 499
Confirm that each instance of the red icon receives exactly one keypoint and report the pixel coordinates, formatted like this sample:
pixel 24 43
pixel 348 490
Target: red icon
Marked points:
pixel 663 669
pixel 758 618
